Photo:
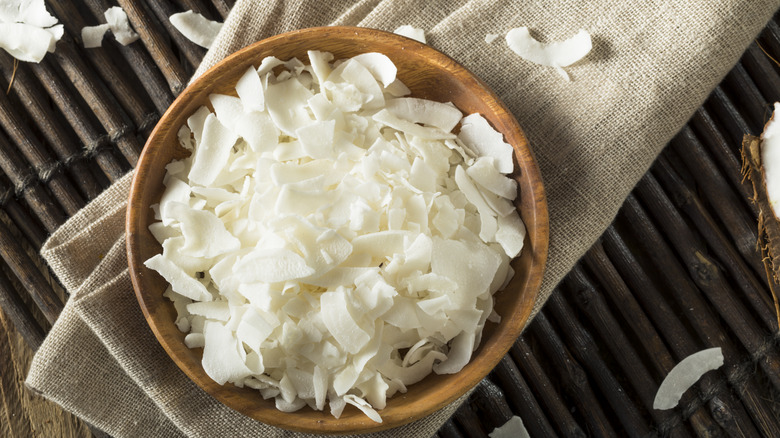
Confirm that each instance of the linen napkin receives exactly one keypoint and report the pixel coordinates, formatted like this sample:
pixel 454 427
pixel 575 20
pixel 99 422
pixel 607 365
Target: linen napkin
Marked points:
pixel 653 63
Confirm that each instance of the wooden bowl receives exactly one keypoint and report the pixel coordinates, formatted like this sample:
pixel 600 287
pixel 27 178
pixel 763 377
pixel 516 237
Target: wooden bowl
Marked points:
pixel 429 74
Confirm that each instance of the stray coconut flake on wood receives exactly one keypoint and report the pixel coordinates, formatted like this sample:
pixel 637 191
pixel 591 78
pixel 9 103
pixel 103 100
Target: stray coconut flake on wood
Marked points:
pixel 119 25
pixel 27 30
pixel 684 375
pixel 556 54
pixel 333 234
pixel 196 28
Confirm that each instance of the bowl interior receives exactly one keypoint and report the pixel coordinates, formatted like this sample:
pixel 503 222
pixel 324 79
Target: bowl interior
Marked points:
pixel 429 74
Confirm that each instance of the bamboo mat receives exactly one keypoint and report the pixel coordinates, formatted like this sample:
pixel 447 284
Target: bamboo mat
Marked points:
pixel 677 272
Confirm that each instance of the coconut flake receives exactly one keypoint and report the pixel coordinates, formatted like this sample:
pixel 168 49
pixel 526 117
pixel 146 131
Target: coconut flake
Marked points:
pixel 221 359
pixel 250 90
pixel 32 12
pixel 412 32
pixel 441 115
pixel 92 36
pixel 489 38
pixel 557 54
pixel 770 159
pixel 25 42
pixel 514 428
pixel 213 152
pixel 363 406
pixel 196 27
pixel 510 233
pixel 27 30
pixel 476 133
pixel 684 375
pixel 485 173
pixel 120 26
pixel 379 65
pixel 180 281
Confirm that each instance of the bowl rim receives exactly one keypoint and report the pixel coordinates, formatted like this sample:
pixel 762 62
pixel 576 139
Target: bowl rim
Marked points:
pixel 539 241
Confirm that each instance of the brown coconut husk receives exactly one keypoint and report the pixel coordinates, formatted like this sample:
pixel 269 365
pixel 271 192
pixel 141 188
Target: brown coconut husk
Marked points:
pixel 768 222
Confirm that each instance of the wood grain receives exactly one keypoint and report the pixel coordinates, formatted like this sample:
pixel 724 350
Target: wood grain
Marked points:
pixel 429 74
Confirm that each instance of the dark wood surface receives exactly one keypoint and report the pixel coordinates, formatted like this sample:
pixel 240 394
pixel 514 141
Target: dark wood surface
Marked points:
pixel 678 271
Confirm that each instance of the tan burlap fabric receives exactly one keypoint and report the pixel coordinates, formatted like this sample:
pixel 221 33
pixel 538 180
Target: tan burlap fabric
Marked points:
pixel 653 63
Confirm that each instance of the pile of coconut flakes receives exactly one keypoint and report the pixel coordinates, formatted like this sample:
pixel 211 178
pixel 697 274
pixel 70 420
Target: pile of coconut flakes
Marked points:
pixel 332 241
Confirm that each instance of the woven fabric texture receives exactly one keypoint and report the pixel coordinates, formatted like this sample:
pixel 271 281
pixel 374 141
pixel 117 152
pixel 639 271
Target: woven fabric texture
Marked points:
pixel 653 63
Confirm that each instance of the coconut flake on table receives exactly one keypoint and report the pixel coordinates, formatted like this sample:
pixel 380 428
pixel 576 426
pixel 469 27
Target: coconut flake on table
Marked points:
pixel 770 159
pixel 196 28
pixel 336 239
pixel 514 428
pixel 557 54
pixel 489 38
pixel 117 21
pixel 412 32
pixel 27 30
pixel 92 36
pixel 684 375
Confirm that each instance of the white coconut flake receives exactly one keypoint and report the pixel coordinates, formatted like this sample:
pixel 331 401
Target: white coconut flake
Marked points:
pixel 510 233
pixel 212 155
pixel 27 30
pixel 412 32
pixel 196 27
pixel 25 42
pixel 514 428
pixel 477 134
pixel 379 65
pixel 221 359
pixel 337 241
pixel 32 12
pixel 427 112
pixel 120 25
pixel 770 159
pixel 250 90
pixel 92 36
pixel 557 54
pixel 489 38
pixel 684 375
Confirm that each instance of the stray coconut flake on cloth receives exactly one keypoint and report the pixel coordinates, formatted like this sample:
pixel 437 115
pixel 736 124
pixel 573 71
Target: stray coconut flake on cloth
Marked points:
pixel 684 375
pixel 27 30
pixel 330 241
pixel 196 28
pixel 514 428
pixel 412 32
pixel 557 54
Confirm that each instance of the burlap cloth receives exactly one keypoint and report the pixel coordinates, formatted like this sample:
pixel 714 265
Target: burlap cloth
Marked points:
pixel 653 63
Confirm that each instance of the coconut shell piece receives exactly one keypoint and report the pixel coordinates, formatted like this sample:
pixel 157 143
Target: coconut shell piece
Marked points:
pixel 768 222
